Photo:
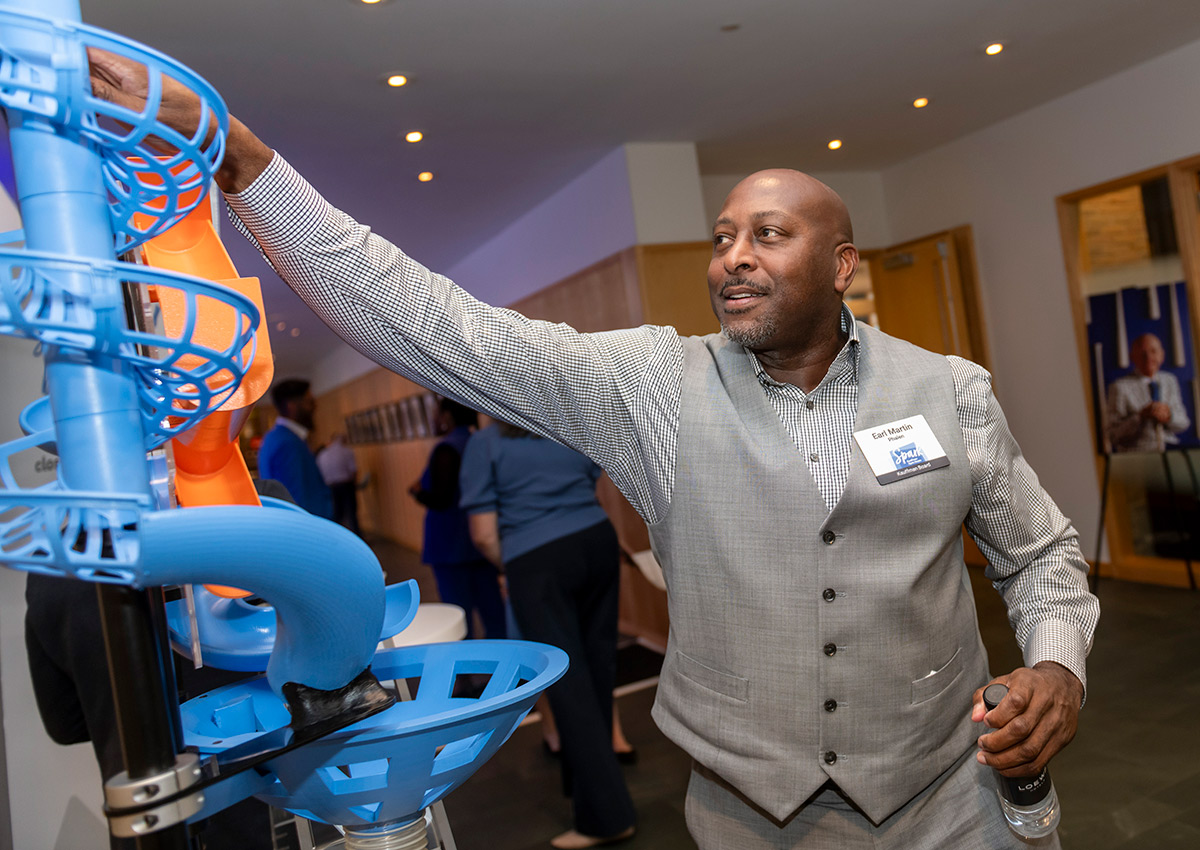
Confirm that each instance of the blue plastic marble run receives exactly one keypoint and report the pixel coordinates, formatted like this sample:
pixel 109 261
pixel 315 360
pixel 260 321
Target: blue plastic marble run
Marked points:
pixel 93 183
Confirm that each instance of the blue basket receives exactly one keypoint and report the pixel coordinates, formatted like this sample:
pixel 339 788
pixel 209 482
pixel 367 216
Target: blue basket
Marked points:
pixel 57 88
pixel 179 381
pixel 389 767
pixel 74 534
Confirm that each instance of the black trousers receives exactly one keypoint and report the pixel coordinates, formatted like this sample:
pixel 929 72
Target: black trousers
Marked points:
pixel 565 594
pixel 345 504
pixel 69 669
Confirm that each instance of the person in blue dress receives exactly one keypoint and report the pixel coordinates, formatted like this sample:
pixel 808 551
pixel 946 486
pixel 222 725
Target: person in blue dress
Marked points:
pixel 464 576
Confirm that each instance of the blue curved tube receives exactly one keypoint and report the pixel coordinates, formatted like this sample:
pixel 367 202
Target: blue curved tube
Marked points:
pixel 236 635
pixel 304 566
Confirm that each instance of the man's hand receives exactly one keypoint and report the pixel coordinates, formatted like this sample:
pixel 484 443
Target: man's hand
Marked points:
pixel 124 82
pixel 1035 721
pixel 1157 411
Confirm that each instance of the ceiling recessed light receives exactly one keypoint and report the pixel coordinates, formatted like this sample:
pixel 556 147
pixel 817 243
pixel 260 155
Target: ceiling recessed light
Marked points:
pixel 425 176
pixel 396 80
pixel 282 326
pixel 295 332
pixel 834 144
pixel 731 27
pixel 921 102
pixel 414 136
pixel 993 49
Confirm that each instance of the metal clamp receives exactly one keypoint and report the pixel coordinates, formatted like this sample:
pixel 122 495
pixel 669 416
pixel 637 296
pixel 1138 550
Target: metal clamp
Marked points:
pixel 121 794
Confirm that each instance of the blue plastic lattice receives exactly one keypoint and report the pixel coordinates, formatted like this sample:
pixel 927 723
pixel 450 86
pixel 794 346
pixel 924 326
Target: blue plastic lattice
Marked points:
pixel 179 380
pixel 92 536
pixel 54 84
pixel 391 766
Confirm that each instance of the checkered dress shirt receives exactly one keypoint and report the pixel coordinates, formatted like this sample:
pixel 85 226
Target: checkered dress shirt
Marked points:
pixel 615 396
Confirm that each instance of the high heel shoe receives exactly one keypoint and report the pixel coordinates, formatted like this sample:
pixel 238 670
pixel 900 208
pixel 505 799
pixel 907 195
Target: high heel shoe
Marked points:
pixel 575 840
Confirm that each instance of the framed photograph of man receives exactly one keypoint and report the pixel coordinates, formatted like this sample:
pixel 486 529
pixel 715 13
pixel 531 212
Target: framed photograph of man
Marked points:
pixel 354 428
pixel 1146 392
pixel 416 415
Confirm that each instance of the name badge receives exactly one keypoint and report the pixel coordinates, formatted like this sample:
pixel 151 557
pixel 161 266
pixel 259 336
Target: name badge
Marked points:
pixel 901 449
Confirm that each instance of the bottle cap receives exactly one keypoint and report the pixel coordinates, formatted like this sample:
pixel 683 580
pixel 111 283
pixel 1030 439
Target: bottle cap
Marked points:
pixel 994 694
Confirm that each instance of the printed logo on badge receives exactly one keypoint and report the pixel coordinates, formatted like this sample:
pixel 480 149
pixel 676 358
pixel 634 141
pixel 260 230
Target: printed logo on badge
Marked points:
pixel 906 456
pixel 901 449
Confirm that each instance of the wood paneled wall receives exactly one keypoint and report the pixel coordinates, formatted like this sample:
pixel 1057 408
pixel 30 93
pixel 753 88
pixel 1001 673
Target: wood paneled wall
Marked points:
pixel 385 508
pixel 645 284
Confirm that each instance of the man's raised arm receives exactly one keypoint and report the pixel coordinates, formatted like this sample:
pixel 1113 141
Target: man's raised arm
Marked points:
pixel 613 396
pixel 124 82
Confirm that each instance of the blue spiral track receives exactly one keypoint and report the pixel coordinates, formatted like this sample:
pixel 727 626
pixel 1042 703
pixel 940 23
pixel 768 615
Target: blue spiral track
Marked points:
pixel 83 168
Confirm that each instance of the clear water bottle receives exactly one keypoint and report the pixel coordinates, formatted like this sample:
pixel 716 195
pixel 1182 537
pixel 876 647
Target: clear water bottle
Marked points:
pixel 1029 803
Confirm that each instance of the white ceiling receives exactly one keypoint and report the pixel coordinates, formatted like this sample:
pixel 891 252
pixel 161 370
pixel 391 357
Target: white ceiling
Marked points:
pixel 515 97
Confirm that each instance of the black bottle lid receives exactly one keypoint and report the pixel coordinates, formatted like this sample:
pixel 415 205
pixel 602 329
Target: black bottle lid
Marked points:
pixel 1025 790
pixel 993 695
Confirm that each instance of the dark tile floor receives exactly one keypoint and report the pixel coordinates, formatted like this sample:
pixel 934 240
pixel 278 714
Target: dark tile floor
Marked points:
pixel 1129 781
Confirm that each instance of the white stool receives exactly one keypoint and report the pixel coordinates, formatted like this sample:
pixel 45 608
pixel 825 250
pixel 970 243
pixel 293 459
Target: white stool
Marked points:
pixel 436 622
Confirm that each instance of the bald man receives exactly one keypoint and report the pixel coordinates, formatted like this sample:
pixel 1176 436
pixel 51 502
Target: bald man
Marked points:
pixel 1145 409
pixel 805 479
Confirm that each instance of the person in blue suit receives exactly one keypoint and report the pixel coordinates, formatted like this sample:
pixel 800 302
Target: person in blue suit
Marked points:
pixel 284 454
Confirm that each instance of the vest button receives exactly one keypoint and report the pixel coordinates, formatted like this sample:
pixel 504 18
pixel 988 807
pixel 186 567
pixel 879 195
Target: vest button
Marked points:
pixel 830 757
pixel 830 649
pixel 828 537
pixel 829 594
pixel 831 705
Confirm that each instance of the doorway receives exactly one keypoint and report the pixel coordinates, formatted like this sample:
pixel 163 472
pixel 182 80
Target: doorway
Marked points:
pixel 925 291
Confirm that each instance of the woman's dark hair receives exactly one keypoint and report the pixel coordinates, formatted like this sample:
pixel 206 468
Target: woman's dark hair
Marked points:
pixel 460 413
pixel 513 432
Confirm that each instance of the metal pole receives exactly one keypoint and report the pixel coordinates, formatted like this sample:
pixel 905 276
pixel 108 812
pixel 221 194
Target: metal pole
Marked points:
pixel 1180 519
pixel 1100 530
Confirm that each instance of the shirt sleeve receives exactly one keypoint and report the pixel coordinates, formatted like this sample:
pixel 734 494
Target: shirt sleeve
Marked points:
pixel 1124 416
pixel 1033 553
pixel 613 396
pixel 477 480
pixel 1174 399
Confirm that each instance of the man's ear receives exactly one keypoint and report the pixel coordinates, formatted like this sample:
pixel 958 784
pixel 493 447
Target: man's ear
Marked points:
pixel 847 267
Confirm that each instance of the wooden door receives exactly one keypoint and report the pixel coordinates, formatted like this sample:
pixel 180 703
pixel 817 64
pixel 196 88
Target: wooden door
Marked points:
pixel 924 293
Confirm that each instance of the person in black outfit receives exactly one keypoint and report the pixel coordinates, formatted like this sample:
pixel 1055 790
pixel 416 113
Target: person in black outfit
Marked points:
pixel 65 646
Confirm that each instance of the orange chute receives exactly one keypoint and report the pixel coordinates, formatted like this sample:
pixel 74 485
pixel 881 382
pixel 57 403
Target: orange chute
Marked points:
pixel 209 467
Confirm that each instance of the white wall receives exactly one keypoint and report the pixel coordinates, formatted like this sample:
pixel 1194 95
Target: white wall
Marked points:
pixel 54 793
pixel 1003 181
pixel 861 190
pixel 664 185
pixel 587 220
pixel 640 193
pixel 342 365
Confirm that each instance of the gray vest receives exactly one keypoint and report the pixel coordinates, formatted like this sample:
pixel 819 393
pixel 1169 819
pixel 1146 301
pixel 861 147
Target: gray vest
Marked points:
pixel 780 608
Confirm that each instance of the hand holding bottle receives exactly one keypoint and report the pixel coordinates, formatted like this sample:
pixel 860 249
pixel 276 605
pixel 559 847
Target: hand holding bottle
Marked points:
pixel 1029 803
pixel 1038 719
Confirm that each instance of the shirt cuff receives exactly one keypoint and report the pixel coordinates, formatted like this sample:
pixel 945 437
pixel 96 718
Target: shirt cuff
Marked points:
pixel 279 210
pixel 1054 640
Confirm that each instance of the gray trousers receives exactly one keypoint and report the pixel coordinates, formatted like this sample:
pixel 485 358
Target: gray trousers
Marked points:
pixel 959 811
